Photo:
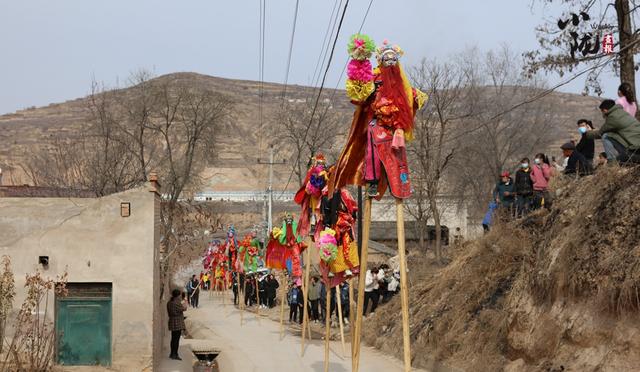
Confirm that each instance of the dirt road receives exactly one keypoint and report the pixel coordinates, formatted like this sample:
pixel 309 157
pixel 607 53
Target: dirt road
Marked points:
pixel 256 346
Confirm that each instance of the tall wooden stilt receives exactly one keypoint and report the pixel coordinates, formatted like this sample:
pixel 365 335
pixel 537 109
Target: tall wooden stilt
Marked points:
pixel 241 299
pixel 404 291
pixel 327 327
pixel 305 294
pixel 339 309
pixel 355 362
pixel 257 299
pixel 351 305
pixel 283 293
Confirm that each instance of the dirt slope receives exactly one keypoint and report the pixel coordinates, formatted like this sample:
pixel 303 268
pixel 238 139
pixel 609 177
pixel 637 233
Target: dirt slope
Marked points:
pixel 557 291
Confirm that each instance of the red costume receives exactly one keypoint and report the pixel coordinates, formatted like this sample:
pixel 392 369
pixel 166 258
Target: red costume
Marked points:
pixel 375 151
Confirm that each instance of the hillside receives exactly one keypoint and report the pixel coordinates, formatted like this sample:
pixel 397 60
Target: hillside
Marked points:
pixel 242 143
pixel 556 291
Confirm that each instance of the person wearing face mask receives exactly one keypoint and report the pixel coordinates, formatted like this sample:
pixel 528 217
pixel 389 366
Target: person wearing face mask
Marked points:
pixel 540 176
pixel 586 146
pixel 504 194
pixel 577 163
pixel 523 188
pixel 620 133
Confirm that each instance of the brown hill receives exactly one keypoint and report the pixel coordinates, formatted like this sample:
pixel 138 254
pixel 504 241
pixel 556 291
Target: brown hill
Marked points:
pixel 239 148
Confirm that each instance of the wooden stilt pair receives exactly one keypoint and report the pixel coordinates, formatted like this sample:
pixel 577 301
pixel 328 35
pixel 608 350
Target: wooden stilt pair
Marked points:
pixel 404 293
pixel 327 332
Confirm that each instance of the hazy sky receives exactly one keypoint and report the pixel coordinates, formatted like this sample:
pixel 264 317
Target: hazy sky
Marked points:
pixel 51 49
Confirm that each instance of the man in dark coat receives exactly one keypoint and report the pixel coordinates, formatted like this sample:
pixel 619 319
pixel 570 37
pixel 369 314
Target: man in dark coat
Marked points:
pixel 586 145
pixel 620 133
pixel 504 193
pixel 524 188
pixel 577 163
pixel 175 310
pixel 271 287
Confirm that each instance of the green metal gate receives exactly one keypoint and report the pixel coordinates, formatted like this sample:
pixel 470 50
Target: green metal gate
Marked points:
pixel 83 325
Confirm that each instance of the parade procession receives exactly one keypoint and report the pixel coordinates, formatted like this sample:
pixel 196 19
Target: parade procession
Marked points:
pixel 336 185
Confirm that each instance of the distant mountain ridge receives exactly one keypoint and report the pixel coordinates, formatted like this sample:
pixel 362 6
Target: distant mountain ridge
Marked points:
pixel 235 167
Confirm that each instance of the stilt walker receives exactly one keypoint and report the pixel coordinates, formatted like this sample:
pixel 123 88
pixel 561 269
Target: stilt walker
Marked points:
pixel 375 153
pixel 283 253
pixel 310 223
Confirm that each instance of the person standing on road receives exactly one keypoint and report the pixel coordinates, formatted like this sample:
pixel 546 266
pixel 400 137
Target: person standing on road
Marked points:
pixel 314 295
pixel 371 291
pixel 294 298
pixel 234 287
pixel 272 287
pixel 194 289
pixel 175 310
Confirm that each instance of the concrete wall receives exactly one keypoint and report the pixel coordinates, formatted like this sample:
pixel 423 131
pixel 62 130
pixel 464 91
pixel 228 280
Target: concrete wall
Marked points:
pixel 89 239
pixel 452 215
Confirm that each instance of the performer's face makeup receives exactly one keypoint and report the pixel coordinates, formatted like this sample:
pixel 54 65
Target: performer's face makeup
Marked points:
pixel 389 58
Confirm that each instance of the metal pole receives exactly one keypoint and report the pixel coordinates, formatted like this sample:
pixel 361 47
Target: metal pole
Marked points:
pixel 270 218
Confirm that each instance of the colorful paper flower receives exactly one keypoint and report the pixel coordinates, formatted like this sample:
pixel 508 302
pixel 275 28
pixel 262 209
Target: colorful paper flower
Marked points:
pixel 359 91
pixel 361 47
pixel 360 70
pixel 328 245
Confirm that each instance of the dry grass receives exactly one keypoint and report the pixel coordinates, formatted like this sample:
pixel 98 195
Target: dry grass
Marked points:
pixel 585 249
pixel 588 246
pixel 454 309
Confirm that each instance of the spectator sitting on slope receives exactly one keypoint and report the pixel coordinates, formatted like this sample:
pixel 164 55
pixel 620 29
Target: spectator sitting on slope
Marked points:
pixel 586 145
pixel 620 133
pixel 577 163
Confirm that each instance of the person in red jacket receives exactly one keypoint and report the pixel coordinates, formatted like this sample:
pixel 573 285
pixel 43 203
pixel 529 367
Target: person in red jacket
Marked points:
pixel 540 176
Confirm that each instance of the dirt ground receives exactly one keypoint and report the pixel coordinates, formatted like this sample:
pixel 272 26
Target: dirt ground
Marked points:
pixel 256 345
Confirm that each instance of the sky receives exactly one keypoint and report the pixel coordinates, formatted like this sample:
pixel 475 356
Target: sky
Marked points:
pixel 50 51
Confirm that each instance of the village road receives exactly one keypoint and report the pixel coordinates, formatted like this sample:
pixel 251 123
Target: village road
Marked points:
pixel 257 346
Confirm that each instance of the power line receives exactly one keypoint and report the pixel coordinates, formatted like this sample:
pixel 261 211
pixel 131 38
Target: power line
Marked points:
pixel 261 58
pixel 325 43
pixel 326 71
pixel 293 33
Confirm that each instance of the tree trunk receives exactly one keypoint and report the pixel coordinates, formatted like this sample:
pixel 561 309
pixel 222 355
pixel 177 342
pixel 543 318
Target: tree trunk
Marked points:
pixel 436 221
pixel 625 33
pixel 421 240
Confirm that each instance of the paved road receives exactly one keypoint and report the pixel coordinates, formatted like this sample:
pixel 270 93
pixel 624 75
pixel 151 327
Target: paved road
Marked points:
pixel 256 346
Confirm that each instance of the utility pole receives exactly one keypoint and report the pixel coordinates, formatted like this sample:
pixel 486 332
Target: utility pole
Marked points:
pixel 271 163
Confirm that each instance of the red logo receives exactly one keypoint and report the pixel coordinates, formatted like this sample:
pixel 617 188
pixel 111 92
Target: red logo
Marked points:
pixel 607 44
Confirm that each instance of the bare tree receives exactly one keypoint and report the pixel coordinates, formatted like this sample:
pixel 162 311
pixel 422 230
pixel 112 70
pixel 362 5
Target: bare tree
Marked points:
pixel 187 122
pixel 305 138
pixel 445 85
pixel 135 109
pixel 504 134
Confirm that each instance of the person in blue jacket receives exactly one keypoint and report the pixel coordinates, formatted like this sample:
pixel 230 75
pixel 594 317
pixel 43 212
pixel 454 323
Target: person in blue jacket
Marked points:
pixel 488 217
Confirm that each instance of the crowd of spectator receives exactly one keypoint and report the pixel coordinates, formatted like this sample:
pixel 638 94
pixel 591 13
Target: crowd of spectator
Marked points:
pixel 528 189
